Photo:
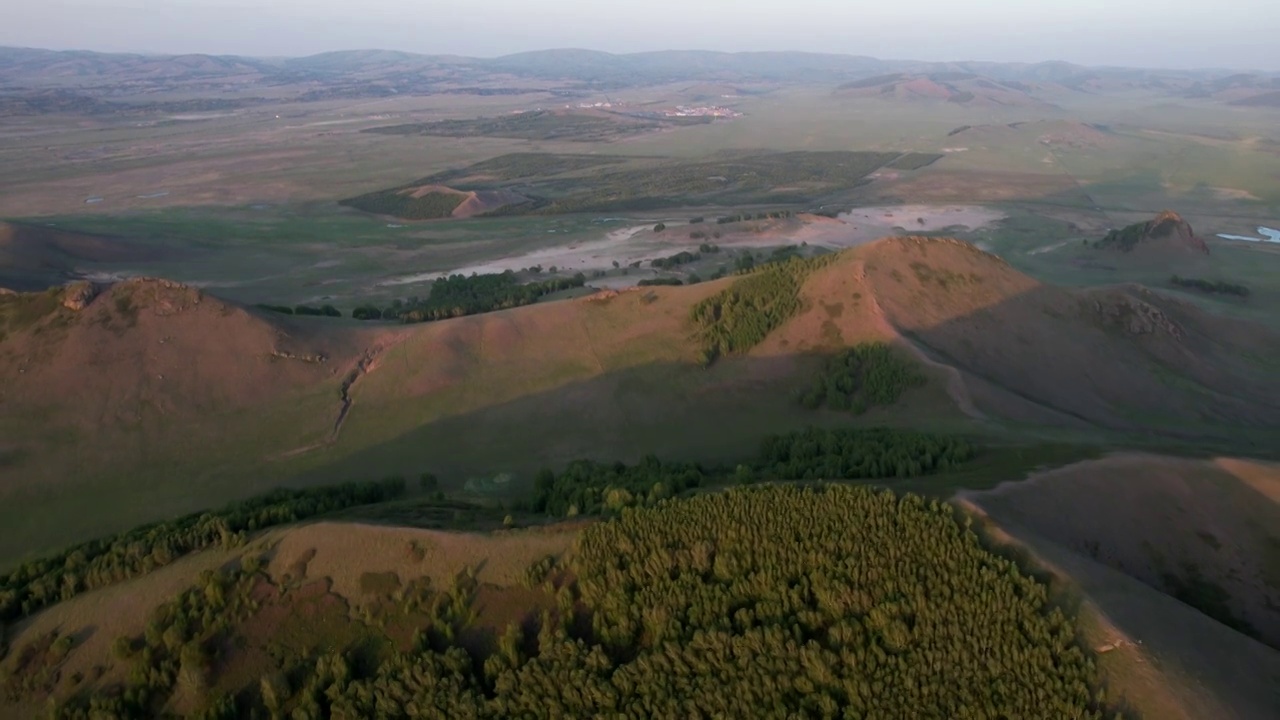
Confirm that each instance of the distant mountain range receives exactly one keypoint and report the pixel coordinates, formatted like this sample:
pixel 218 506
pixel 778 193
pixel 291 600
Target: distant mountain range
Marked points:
pixel 93 76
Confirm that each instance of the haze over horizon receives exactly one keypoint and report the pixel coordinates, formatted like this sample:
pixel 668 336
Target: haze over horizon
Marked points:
pixel 1177 34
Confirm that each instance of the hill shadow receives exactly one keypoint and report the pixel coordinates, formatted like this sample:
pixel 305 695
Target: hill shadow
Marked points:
pixel 672 410
pixel 1196 606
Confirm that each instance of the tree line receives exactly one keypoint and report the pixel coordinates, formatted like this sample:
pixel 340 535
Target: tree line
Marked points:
pixel 1211 286
pixel 861 377
pixel 589 488
pixel 744 217
pixel 37 584
pixel 323 310
pixel 693 280
pixel 459 295
pixel 775 601
pixel 683 257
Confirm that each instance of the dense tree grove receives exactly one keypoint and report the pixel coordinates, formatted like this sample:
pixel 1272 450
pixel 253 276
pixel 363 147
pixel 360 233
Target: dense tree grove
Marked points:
pixel 1210 286
pixel 779 601
pixel 863 376
pixel 459 295
pixel 587 487
pixel 860 454
pixel 39 583
pixel 660 281
pixel 741 316
pixel 814 602
pixel 367 312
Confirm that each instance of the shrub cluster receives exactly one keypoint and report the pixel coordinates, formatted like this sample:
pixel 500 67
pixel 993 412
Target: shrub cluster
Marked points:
pixel 177 651
pixel 741 316
pixel 863 376
pixel 681 258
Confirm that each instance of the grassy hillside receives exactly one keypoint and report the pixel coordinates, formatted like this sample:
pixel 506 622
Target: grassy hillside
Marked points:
pixel 152 400
pixel 208 403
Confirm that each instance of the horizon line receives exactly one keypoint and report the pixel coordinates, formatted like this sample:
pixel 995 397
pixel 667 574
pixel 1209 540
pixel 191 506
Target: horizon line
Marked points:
pixel 158 54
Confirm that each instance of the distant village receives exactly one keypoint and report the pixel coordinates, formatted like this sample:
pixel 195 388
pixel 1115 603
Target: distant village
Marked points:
pixel 715 111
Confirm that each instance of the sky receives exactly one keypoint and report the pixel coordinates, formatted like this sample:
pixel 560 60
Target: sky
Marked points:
pixel 1141 33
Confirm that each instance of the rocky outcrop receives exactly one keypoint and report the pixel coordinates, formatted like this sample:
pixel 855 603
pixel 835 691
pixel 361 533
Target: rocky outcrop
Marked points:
pixel 309 358
pixel 1134 316
pixel 78 295
pixel 160 296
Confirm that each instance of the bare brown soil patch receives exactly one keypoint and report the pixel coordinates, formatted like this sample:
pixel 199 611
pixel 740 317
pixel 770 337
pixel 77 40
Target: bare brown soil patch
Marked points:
pixel 483 201
pixel 422 191
pixel 345 552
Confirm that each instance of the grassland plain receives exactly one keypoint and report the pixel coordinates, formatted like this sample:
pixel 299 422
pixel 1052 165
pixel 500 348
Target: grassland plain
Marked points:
pixel 1057 250
pixel 1096 160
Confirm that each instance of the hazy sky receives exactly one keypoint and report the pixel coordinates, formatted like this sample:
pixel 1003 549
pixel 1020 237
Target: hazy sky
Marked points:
pixel 1148 33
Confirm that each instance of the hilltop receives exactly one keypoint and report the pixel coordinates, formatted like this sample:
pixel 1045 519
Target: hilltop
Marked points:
pixel 149 381
pixel 1166 233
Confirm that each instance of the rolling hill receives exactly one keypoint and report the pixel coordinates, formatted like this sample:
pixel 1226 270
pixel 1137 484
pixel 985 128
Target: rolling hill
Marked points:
pixel 180 377
pixel 381 73
pixel 959 87
pixel 150 399
pixel 1166 233
pixel 137 388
